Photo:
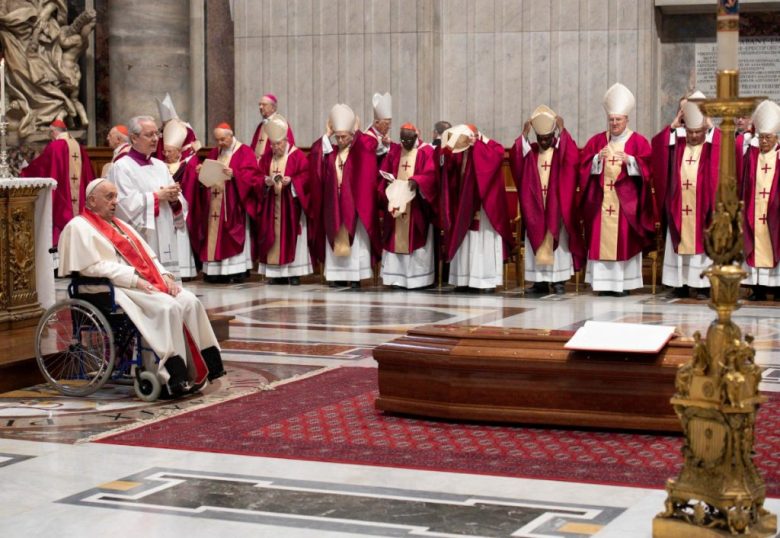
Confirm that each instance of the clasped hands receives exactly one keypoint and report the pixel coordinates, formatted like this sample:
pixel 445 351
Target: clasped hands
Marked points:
pixel 622 155
pixel 173 288
pixel 169 193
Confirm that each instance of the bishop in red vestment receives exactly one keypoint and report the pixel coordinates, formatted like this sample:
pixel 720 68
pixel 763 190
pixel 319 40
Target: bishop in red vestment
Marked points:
pixel 759 187
pixel 348 174
pixel 474 208
pixel 288 208
pixel 685 170
pixel 268 105
pixel 66 161
pixel 617 203
pixel 219 215
pixel 545 174
pixel 408 259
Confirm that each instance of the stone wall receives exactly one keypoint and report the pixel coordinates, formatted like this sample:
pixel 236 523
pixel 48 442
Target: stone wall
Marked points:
pixel 490 62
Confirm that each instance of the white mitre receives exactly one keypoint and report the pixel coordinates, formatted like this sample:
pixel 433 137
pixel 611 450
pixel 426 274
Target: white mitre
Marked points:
pixel 694 119
pixel 275 128
pixel 697 95
pixel 342 118
pixel 166 108
pixel 766 117
pixel 457 138
pixel 174 134
pixel 543 120
pixel 383 106
pixel 619 100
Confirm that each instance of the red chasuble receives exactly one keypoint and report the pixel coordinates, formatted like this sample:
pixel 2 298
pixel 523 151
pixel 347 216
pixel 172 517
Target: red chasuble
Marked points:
pixel 421 208
pixel 306 200
pixel 356 198
pixel 477 184
pixel 187 178
pixel 636 226
pixel 748 196
pixel 667 161
pixel 540 216
pixel 134 252
pixel 267 151
pixel 54 162
pixel 239 198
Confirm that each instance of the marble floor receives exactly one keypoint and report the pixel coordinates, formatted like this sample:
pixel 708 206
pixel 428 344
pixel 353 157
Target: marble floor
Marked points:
pixel 56 480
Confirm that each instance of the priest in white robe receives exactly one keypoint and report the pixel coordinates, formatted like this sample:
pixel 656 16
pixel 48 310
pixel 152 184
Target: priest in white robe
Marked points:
pixel 149 199
pixel 171 320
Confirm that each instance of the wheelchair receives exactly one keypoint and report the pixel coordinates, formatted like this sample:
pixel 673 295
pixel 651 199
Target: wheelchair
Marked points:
pixel 85 341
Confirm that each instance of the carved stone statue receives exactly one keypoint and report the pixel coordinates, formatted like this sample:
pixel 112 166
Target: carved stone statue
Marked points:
pixel 42 54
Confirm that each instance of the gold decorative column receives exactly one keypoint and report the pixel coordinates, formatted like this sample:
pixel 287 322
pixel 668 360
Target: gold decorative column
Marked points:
pixel 719 491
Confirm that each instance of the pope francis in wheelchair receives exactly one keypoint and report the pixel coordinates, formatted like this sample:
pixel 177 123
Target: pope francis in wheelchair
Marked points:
pixel 169 322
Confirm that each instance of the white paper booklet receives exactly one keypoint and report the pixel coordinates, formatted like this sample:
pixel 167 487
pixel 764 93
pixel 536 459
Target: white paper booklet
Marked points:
pixel 625 337
pixel 212 173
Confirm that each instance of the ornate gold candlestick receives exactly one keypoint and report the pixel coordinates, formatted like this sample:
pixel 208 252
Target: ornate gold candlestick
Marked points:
pixel 719 491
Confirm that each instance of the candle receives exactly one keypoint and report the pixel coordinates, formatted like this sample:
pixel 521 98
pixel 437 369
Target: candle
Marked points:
pixel 728 35
pixel 2 88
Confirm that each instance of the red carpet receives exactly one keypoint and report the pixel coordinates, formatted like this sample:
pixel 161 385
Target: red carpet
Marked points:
pixel 331 417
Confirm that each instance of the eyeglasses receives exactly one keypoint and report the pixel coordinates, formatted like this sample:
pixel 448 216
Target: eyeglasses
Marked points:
pixel 767 136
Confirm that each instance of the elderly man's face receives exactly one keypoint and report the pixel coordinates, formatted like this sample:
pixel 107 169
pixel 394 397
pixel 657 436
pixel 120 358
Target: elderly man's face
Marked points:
pixel 383 126
pixel 224 138
pixel 617 124
pixel 767 142
pixel 102 200
pixel 267 107
pixel 279 148
pixel 171 153
pixel 408 138
pixel 113 138
pixel 343 138
pixel 695 137
pixel 742 123
pixel 53 133
pixel 146 141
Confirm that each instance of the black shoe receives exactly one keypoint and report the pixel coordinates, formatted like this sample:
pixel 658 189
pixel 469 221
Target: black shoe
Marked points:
pixel 623 293
pixel 333 284
pixel 295 281
pixel 213 359
pixel 237 279
pixel 604 294
pixel 354 285
pixel 559 288
pixel 681 292
pixel 757 294
pixel 539 288
pixel 703 294
pixel 461 289
pixel 486 291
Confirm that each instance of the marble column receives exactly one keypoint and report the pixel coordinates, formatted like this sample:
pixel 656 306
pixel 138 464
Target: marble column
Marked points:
pixel 150 55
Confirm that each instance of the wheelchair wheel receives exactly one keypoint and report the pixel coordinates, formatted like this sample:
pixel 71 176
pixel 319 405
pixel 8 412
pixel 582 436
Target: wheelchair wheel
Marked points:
pixel 147 386
pixel 74 347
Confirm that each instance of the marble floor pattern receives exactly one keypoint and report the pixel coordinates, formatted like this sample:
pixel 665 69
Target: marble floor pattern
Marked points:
pixel 56 481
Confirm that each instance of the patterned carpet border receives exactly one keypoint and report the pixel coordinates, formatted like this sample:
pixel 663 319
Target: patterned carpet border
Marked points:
pixel 331 417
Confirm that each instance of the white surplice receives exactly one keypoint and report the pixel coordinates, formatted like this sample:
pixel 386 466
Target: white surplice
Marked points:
pixel 479 260
pixel 413 270
pixel 137 186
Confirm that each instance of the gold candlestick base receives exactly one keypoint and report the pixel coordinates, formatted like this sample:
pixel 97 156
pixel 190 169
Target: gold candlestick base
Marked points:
pixel 719 491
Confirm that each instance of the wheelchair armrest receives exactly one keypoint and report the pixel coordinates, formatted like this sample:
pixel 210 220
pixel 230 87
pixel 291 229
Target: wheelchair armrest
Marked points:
pixel 77 280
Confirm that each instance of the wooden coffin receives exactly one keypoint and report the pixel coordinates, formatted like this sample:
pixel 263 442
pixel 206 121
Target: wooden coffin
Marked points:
pixel 526 376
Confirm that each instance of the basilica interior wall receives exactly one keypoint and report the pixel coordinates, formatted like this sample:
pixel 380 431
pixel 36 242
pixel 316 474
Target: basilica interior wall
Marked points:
pixel 490 62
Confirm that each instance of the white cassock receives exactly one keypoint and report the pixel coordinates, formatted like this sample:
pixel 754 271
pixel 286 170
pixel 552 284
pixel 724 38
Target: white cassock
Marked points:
pixel 616 276
pixel 136 186
pixel 356 266
pixel 413 270
pixel 479 260
pixel 158 316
